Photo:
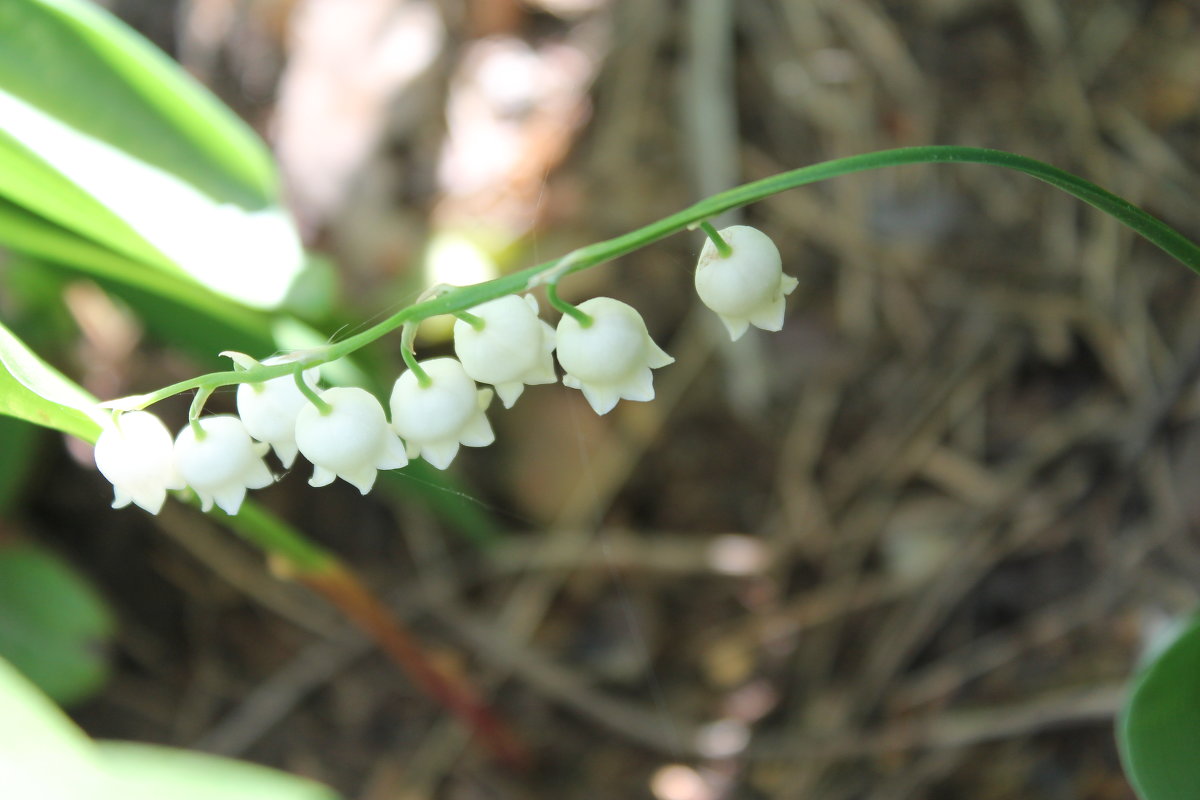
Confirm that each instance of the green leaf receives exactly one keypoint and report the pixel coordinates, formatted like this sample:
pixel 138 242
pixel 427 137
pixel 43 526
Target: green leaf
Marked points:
pixel 81 66
pixel 1159 728
pixel 17 444
pixel 29 182
pixel 147 772
pixel 54 628
pixel 25 232
pixel 105 136
pixel 43 756
pixel 32 390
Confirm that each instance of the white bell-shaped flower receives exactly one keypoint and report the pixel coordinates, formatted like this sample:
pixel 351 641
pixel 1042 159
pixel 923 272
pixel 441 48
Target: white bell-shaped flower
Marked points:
pixel 746 287
pixel 610 359
pixel 136 455
pixel 222 464
pixel 351 442
pixel 434 420
pixel 511 349
pixel 269 409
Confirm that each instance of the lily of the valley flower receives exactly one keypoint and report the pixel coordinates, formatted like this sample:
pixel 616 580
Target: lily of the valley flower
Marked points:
pixel 434 420
pixel 748 286
pixel 223 463
pixel 511 349
pixel 611 358
pixel 269 409
pixel 351 442
pixel 136 455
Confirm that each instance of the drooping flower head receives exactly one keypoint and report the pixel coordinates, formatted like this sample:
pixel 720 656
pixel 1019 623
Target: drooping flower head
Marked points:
pixel 748 286
pixel 434 420
pixel 135 454
pixel 610 359
pixel 269 409
pixel 223 463
pixel 351 442
pixel 511 349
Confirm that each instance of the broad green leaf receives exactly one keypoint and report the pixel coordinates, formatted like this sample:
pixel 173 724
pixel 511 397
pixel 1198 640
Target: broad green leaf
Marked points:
pixel 17 443
pixel 1159 728
pixel 24 232
pixel 104 136
pixel 42 754
pixel 147 772
pixel 32 390
pixel 29 182
pixel 54 628
pixel 83 67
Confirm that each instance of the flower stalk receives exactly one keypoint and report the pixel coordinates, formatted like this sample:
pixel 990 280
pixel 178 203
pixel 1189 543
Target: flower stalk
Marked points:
pixel 582 317
pixel 310 394
pixel 197 408
pixel 464 298
pixel 722 246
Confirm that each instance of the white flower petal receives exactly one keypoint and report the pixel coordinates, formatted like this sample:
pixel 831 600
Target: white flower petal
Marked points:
pixel 477 433
pixel 223 463
pixel 321 476
pixel 269 409
pixel 362 479
pixel 206 500
pixel 770 316
pixel 394 455
pixel 737 326
pixel 509 392
pixel 286 452
pixel 612 357
pixel 512 346
pixel 434 420
pixel 639 387
pixel 349 442
pixel 602 399
pixel 748 286
pixel 137 456
pixel 440 454
pixel 230 498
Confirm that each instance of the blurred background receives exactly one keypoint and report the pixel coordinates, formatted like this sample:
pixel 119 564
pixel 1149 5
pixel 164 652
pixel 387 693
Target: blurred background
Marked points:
pixel 911 546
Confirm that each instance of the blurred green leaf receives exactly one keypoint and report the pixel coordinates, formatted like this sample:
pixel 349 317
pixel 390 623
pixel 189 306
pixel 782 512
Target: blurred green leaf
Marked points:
pixel 103 135
pixel 147 772
pixel 29 182
pixel 32 390
pixel 43 756
pixel 83 67
pixel 1159 729
pixel 17 442
pixel 54 628
pixel 25 232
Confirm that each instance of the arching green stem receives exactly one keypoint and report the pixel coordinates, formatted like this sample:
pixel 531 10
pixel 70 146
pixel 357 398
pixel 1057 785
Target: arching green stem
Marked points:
pixel 722 246
pixel 408 353
pixel 197 408
pixel 323 408
pixel 466 297
pixel 581 317
pixel 474 321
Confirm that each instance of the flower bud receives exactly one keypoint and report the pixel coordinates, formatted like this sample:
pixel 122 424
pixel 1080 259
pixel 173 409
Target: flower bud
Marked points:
pixel 136 456
pixel 610 359
pixel 351 442
pixel 434 420
pixel 269 409
pixel 223 463
pixel 511 349
pixel 748 286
